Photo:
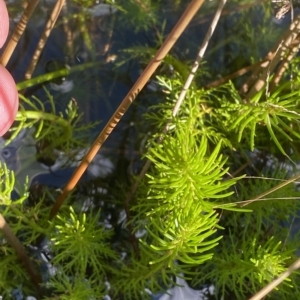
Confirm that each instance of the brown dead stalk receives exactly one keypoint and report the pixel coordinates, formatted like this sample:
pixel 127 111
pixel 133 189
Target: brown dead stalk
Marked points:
pixel 282 67
pixel 277 54
pixel 21 253
pixel 272 285
pixel 236 74
pixel 41 44
pixel 9 49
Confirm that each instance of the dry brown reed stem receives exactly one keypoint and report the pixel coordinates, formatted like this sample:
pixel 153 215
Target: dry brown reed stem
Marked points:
pixel 282 68
pixel 256 66
pixel 280 51
pixel 237 73
pixel 251 80
pixel 21 253
pixel 199 57
pixel 239 170
pixel 13 41
pixel 181 97
pixel 272 285
pixel 41 44
pixel 183 22
pixel 275 188
pixel 236 9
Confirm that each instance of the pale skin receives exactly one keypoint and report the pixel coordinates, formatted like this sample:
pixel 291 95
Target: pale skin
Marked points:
pixel 9 100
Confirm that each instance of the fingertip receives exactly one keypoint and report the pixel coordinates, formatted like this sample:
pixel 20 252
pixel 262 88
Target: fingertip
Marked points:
pixel 9 100
pixel 4 23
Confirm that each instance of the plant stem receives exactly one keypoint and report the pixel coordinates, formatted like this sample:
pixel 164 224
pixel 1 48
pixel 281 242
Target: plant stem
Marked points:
pixel 272 285
pixel 56 74
pixel 18 247
pixel 47 30
pixel 9 49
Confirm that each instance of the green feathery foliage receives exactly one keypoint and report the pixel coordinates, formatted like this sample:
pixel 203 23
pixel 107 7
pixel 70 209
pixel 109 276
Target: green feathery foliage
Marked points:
pixel 277 112
pixel 245 265
pixel 186 219
pixel 140 15
pixel 76 287
pixel 80 237
pixel 57 127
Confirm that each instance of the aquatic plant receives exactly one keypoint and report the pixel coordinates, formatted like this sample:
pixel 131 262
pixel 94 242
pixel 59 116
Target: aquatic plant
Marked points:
pixel 214 203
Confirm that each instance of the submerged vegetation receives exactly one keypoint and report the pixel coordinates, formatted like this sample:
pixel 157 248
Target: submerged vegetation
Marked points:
pixel 204 190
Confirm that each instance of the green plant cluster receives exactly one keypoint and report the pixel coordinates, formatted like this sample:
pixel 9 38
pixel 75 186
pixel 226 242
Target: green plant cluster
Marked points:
pixel 191 182
pixel 193 216
pixel 188 207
